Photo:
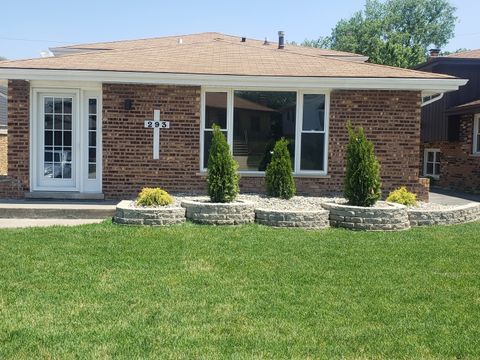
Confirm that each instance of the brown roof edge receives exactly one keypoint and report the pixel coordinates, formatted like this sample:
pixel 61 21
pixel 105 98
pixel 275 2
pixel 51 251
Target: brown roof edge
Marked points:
pixel 467 108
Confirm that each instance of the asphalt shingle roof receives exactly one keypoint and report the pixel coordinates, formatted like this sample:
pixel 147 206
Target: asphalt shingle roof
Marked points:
pixel 215 55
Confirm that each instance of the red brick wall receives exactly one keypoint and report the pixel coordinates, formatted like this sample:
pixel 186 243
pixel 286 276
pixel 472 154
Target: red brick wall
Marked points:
pixel 17 181
pixel 127 146
pixel 459 169
pixel 391 119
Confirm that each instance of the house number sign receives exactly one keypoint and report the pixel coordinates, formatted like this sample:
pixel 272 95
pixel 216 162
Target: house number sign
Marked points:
pixel 156 124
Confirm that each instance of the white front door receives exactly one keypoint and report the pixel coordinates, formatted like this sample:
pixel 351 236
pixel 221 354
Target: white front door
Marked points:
pixel 66 140
pixel 57 139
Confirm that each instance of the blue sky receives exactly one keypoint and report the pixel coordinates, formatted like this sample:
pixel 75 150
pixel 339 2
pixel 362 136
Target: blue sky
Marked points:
pixel 29 27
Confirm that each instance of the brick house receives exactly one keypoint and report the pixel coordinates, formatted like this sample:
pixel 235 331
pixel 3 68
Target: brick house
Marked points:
pixel 77 120
pixel 450 130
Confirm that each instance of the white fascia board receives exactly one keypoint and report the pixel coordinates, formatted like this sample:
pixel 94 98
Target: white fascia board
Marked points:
pixel 431 85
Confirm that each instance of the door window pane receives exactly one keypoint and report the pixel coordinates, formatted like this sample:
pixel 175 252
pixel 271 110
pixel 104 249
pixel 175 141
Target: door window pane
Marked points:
pixel 92 122
pixel 92 138
pixel 67 122
pixel 48 105
pixel 261 118
pixel 92 106
pixel 312 151
pixel 48 121
pixel 313 112
pixel 48 138
pixel 57 143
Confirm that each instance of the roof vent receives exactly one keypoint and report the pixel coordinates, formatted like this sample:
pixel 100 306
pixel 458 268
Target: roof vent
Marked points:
pixel 244 39
pixel 434 52
pixel 281 39
pixel 266 41
pixel 180 41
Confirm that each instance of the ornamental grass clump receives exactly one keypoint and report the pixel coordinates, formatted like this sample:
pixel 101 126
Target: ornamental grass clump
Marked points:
pixel 278 175
pixel 222 178
pixel 362 186
pixel 403 196
pixel 153 197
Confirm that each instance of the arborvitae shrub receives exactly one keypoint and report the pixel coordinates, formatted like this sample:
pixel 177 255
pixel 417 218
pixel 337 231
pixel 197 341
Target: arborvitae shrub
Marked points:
pixel 362 179
pixel 278 176
pixel 402 196
pixel 153 197
pixel 222 178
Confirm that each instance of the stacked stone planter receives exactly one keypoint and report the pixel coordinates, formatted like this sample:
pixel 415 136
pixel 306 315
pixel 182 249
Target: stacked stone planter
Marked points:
pixel 457 215
pixel 314 219
pixel 387 217
pixel 205 212
pixel 127 213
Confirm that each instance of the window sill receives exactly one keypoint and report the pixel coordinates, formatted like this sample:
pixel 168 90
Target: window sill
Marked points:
pixel 434 177
pixel 475 155
pixel 262 174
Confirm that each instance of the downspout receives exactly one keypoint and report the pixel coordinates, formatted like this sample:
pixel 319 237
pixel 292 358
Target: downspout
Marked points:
pixel 428 102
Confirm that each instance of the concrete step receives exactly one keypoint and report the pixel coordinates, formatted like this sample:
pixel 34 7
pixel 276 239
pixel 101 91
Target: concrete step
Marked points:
pixel 29 209
pixel 63 195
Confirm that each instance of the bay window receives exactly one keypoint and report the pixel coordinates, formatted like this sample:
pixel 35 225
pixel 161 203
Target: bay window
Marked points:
pixel 253 121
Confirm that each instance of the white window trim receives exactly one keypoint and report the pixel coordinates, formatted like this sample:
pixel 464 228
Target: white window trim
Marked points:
pixel 298 128
pixel 476 131
pixel 435 161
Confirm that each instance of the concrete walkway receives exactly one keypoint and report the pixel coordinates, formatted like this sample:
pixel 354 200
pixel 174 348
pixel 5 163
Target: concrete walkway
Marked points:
pixel 452 198
pixel 56 209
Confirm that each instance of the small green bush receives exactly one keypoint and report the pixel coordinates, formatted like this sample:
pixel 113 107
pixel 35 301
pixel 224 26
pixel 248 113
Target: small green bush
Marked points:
pixel 362 185
pixel 278 176
pixel 153 197
pixel 222 178
pixel 402 196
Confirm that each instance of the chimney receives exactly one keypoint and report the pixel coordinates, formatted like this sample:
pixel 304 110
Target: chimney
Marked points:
pixel 281 39
pixel 434 52
pixel 244 39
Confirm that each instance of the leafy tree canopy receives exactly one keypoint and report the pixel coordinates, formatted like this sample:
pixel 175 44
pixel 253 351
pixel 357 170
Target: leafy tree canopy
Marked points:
pixel 394 32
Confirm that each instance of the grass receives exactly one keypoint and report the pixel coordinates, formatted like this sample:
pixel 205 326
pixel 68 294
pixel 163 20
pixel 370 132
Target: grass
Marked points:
pixel 106 291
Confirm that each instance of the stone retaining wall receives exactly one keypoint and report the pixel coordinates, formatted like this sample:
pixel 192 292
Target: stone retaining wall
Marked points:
pixel 315 219
pixel 234 213
pixel 126 214
pixel 393 217
pixel 457 215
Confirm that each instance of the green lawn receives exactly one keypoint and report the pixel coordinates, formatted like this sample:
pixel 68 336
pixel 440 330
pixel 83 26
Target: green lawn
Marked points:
pixel 106 291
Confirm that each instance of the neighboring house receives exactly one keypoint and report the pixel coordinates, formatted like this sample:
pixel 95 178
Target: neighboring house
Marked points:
pixel 451 126
pixel 3 129
pixel 77 120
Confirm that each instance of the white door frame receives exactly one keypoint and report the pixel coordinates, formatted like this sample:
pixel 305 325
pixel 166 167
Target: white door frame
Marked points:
pixel 80 95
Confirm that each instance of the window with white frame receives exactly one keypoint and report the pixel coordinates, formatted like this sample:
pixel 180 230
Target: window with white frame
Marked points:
pixel 92 138
pixel 254 120
pixel 431 163
pixel 476 134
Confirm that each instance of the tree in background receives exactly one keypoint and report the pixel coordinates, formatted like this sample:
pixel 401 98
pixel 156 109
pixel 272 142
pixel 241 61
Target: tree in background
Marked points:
pixel 446 53
pixel 2 58
pixel 394 32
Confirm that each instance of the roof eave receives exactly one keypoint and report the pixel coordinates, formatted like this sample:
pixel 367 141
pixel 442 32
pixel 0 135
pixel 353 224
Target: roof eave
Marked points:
pixel 380 83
